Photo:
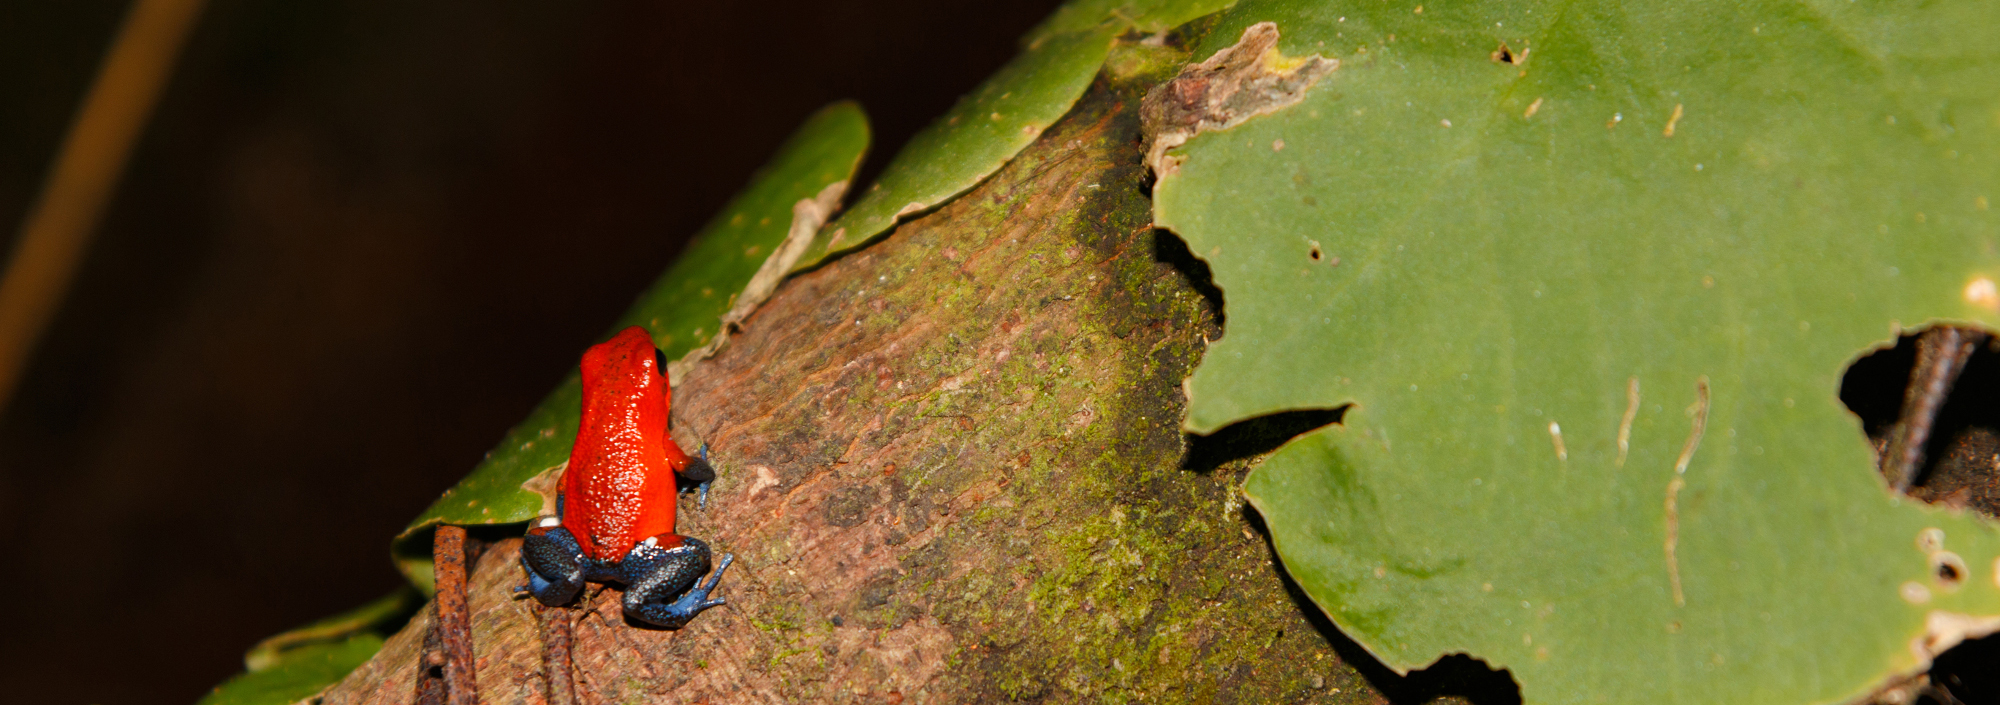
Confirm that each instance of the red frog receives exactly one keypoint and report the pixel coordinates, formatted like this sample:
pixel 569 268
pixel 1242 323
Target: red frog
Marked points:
pixel 615 511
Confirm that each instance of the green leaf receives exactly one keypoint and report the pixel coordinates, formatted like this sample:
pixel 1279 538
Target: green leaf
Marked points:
pixel 1142 16
pixel 303 672
pixel 1004 115
pixel 982 132
pixel 682 310
pixel 684 307
pixel 1486 258
pixel 382 616
pixel 296 664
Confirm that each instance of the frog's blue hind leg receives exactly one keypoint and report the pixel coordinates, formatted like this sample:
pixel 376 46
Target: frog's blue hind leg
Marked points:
pixel 554 561
pixel 662 567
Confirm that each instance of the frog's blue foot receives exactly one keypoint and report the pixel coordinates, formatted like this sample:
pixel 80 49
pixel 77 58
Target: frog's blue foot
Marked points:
pixel 658 569
pixel 554 562
pixel 699 474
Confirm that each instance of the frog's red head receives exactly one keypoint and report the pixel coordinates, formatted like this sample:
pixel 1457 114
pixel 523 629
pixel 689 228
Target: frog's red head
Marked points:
pixel 627 363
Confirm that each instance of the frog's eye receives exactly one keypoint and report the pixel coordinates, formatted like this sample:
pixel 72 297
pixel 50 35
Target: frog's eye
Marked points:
pixel 661 359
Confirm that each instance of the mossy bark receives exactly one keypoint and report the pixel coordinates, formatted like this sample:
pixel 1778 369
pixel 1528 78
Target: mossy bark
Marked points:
pixel 952 470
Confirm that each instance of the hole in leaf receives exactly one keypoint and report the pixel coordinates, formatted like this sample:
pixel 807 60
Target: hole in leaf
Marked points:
pixel 1503 55
pixel 1964 674
pixel 1941 385
pixel 1931 407
pixel 1949 569
pixel 1315 254
pixel 1253 437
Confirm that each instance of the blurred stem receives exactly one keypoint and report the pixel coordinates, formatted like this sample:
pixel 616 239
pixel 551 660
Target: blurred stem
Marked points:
pixel 57 229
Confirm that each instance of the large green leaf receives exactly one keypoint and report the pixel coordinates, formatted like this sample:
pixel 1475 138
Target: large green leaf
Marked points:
pixel 683 311
pixel 1000 118
pixel 1709 208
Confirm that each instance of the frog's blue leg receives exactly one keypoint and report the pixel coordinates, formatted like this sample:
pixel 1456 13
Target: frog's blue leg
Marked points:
pixel 662 567
pixel 699 474
pixel 554 562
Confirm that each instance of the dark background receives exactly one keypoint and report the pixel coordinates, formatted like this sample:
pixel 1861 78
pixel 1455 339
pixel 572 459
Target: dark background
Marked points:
pixel 356 243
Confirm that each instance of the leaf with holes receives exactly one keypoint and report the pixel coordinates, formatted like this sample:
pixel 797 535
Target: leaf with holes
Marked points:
pixel 1586 278
pixel 683 310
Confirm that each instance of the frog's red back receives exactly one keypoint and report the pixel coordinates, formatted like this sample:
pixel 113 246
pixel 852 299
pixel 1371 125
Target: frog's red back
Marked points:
pixel 619 488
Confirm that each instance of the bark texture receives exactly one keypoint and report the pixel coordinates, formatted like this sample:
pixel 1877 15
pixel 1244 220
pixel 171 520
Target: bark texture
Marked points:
pixel 952 471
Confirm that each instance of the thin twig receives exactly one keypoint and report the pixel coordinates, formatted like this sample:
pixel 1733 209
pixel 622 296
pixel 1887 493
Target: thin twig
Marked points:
pixel 454 616
pixel 1941 355
pixel 430 688
pixel 58 228
pixel 557 632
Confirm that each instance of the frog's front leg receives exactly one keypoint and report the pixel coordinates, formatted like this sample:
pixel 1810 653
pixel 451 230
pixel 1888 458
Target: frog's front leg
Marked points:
pixel 661 567
pixel 698 474
pixel 554 561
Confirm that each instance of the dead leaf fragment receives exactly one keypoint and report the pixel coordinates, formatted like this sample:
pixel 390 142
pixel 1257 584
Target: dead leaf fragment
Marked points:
pixel 1247 79
pixel 545 484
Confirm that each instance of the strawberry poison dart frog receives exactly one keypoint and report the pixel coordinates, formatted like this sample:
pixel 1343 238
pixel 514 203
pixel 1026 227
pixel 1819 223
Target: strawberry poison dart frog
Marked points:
pixel 615 510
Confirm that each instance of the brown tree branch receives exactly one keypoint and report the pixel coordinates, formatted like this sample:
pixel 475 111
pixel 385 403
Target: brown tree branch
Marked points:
pixel 952 471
